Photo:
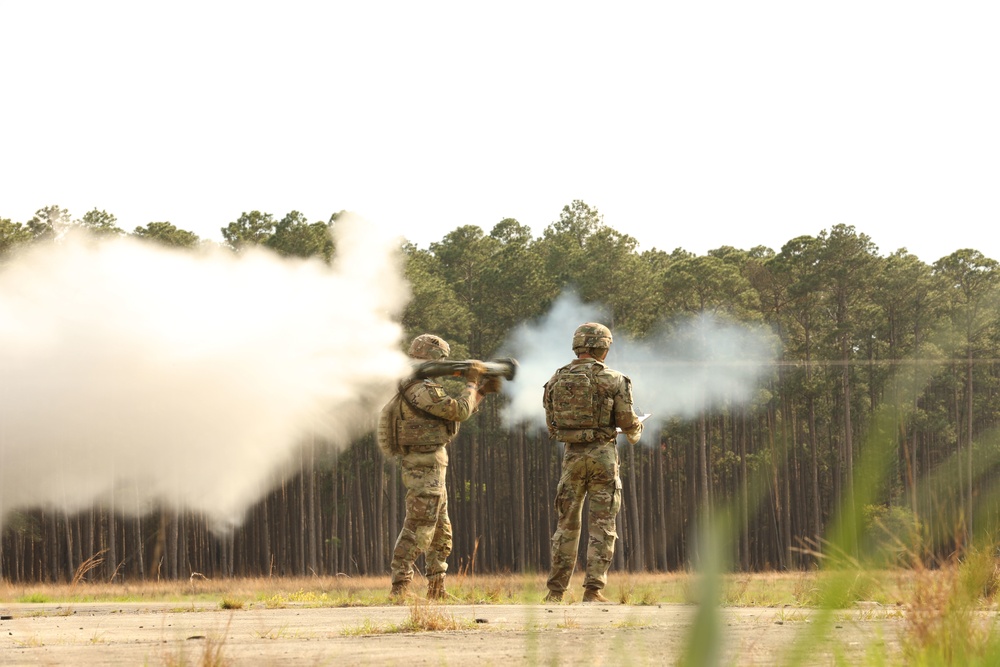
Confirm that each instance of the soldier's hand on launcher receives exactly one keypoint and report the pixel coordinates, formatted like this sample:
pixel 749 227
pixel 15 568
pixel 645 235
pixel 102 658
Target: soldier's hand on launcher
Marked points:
pixel 474 372
pixel 491 385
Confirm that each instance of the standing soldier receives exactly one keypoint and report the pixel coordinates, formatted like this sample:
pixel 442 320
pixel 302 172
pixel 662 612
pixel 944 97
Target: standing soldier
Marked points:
pixel 585 403
pixel 425 420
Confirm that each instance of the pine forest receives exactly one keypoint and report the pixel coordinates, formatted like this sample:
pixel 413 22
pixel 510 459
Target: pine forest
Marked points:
pixel 872 435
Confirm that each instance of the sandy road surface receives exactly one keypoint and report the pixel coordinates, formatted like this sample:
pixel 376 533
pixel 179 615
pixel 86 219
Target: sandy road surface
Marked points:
pixel 185 634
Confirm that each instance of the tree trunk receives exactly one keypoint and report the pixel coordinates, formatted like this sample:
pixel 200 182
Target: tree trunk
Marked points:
pixel 636 549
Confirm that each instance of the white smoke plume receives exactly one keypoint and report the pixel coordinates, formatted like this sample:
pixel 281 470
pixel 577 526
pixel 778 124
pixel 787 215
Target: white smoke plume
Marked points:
pixel 135 375
pixel 692 364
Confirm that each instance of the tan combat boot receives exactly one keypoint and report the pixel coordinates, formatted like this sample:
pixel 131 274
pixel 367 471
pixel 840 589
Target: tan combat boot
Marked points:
pixel 594 595
pixel 398 591
pixel 435 588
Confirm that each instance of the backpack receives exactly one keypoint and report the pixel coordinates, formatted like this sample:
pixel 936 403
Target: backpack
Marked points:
pixel 387 435
pixel 396 433
pixel 576 402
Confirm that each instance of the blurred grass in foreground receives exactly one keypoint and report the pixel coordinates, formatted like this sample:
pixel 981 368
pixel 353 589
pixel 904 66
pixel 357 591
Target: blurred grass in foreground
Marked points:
pixel 946 603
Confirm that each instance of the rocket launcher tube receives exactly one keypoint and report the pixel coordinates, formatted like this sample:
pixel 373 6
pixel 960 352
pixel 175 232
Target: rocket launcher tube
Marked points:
pixel 505 368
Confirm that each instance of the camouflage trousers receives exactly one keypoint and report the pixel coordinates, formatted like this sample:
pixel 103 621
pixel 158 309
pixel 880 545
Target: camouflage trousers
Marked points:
pixel 426 528
pixel 589 470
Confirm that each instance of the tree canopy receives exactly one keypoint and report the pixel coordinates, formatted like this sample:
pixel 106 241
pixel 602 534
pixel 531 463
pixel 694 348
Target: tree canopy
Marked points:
pixel 876 352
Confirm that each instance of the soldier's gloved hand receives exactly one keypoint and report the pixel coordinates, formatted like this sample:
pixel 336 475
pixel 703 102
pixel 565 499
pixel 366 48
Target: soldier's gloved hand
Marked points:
pixel 491 385
pixel 474 372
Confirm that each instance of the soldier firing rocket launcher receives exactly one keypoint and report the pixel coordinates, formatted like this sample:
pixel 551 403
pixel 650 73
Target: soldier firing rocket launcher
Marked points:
pixel 505 368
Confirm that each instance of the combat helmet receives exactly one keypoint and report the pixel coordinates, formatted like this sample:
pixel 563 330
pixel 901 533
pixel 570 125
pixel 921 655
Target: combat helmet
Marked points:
pixel 429 347
pixel 591 335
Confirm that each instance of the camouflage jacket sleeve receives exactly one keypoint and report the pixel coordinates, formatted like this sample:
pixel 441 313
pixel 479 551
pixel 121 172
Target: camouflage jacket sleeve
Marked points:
pixel 625 417
pixel 547 405
pixel 432 399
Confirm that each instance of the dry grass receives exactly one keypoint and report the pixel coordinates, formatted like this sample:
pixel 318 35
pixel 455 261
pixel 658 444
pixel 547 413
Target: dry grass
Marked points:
pixel 211 653
pixel 949 618
pixel 632 591
pixel 430 617
pixel 568 622
pixel 305 591
pixel 424 617
pixel 803 589
pixel 88 565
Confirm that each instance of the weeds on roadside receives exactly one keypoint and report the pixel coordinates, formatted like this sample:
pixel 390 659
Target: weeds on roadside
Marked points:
pixel 211 656
pixel 424 617
pixel 34 641
pixel 626 591
pixel 945 623
pixel 805 592
pixel 568 622
pixel 367 627
pixel 631 593
pixel 275 602
pixel 272 634
pixel 492 589
pixel 428 617
pixel 784 615
pixel 313 598
pixel 735 593
pixel 211 652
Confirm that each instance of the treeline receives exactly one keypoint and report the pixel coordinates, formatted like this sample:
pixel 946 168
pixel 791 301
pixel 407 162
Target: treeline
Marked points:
pixel 873 437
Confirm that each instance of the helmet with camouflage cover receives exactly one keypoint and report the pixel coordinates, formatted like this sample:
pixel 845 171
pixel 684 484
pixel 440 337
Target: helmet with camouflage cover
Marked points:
pixel 591 335
pixel 429 347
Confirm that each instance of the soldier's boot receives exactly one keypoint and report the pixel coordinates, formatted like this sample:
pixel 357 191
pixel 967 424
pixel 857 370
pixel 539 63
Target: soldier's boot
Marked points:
pixel 435 588
pixel 594 595
pixel 554 597
pixel 399 591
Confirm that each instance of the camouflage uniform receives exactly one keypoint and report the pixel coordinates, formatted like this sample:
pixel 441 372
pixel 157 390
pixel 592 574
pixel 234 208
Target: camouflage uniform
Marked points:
pixel 590 467
pixel 428 410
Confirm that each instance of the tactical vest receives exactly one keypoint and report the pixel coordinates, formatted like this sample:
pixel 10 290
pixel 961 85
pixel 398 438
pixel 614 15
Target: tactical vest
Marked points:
pixel 578 408
pixel 386 435
pixel 403 426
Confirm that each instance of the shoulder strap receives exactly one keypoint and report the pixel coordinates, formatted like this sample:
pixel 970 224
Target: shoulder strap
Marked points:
pixel 406 384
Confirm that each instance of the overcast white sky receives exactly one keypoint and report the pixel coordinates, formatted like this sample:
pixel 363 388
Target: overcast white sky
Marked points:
pixel 686 124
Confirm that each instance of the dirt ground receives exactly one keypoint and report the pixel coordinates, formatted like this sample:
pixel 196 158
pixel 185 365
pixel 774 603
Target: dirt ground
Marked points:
pixel 200 634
